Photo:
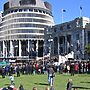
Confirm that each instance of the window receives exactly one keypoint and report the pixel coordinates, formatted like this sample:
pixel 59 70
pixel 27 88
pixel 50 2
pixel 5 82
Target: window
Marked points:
pixel 77 36
pixel 40 11
pixel 25 9
pixel 20 10
pixel 69 38
pixel 16 10
pixel 68 26
pixel 35 10
pixel 31 10
pixel 44 12
pixel 12 11
pixel 55 30
pixel 61 27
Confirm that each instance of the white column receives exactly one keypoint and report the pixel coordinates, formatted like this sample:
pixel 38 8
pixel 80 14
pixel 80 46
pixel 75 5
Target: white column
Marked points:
pixel 11 49
pixel 19 48
pixel 37 49
pixel 66 44
pixel 4 48
pixel 28 49
pixel 28 45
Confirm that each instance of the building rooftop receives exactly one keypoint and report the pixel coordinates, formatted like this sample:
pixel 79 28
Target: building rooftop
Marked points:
pixel 28 3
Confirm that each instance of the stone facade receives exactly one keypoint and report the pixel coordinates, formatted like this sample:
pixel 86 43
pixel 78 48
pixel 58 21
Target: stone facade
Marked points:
pixel 71 36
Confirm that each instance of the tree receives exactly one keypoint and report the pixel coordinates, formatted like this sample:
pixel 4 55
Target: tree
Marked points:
pixel 87 49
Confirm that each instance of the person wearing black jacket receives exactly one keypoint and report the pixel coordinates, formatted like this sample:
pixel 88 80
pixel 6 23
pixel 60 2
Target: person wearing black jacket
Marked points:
pixel 51 75
pixel 72 69
pixel 69 84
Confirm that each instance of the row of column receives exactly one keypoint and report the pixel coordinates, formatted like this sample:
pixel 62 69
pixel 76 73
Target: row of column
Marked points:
pixel 9 47
pixel 65 43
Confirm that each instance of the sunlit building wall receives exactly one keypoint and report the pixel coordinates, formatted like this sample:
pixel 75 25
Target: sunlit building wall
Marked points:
pixel 70 37
pixel 22 25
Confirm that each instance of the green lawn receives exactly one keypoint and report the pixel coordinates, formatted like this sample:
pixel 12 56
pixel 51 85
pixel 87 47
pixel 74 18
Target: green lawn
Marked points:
pixel 82 82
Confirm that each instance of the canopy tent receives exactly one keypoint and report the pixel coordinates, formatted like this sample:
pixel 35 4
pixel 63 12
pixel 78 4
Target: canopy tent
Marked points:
pixel 4 63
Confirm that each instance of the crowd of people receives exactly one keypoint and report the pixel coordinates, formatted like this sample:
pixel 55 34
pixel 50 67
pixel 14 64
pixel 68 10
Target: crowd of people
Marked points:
pixel 48 68
pixel 38 68
pixel 75 67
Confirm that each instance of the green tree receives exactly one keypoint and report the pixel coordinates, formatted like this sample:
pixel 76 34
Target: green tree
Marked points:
pixel 87 49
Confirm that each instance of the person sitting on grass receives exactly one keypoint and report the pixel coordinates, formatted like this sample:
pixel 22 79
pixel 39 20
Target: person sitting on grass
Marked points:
pixel 75 89
pixel 34 88
pixel 47 88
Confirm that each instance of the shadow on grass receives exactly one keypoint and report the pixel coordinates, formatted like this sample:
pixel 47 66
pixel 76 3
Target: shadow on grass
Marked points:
pixel 84 75
pixel 7 84
pixel 45 84
pixel 84 82
pixel 81 87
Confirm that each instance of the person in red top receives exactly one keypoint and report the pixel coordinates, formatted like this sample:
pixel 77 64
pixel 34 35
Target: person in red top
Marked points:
pixel 76 68
pixel 36 67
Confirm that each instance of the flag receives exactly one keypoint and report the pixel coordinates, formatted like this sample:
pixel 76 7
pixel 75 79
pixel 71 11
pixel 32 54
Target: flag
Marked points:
pixel 80 11
pixel 63 10
pixel 80 7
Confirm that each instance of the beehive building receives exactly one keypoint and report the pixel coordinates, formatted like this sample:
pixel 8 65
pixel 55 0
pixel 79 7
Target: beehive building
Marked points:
pixel 22 25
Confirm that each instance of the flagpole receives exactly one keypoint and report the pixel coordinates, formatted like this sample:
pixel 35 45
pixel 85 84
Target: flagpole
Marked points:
pixel 62 11
pixel 81 8
pixel 80 11
pixel 62 15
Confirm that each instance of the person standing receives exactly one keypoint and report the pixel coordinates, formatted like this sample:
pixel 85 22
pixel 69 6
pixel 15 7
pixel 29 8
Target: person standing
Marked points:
pixel 89 67
pixel 69 84
pixel 72 69
pixel 18 71
pixel 21 87
pixel 51 75
pixel 3 72
pixel 12 79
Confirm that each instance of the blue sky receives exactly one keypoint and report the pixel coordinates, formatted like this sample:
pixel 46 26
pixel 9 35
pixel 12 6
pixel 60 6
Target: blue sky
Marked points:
pixel 72 8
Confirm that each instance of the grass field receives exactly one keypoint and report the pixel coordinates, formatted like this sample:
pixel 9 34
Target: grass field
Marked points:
pixel 82 82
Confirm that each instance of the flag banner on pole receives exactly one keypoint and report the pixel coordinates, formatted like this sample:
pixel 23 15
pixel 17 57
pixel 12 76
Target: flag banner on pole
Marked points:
pixel 80 7
pixel 63 10
pixel 81 11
